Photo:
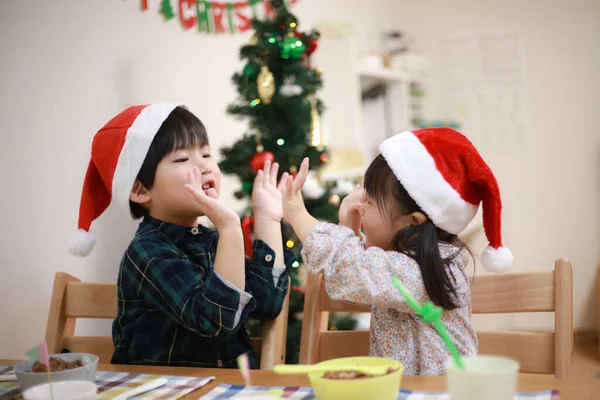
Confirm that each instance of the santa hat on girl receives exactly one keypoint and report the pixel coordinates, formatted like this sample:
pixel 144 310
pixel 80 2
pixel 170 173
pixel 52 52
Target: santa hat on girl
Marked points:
pixel 118 152
pixel 445 175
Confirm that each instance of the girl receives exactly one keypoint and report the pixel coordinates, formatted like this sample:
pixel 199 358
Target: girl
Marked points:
pixel 419 194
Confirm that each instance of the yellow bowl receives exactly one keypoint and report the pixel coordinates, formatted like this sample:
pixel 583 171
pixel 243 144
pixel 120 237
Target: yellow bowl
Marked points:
pixel 383 387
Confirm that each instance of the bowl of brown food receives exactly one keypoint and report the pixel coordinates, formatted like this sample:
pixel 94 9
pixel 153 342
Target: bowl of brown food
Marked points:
pixel 355 385
pixel 63 367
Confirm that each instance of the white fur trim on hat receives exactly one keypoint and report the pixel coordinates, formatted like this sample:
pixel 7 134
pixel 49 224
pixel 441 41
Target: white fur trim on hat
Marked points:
pixel 416 170
pixel 496 260
pixel 137 143
pixel 81 243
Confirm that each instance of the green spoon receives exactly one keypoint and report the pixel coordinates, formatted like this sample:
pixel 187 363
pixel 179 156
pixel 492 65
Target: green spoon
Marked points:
pixel 430 314
pixel 305 369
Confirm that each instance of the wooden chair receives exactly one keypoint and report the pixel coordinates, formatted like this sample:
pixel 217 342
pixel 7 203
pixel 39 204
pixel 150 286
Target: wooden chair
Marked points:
pixel 72 299
pixel 545 353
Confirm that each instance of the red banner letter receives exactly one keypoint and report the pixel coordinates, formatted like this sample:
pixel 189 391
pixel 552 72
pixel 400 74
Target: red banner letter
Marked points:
pixel 187 11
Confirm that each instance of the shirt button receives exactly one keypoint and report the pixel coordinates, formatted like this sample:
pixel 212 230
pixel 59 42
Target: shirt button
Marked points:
pixel 195 231
pixel 220 363
pixel 268 258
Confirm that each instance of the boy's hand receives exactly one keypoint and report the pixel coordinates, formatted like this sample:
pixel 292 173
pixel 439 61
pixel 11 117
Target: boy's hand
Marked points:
pixel 293 204
pixel 267 194
pixel 349 214
pixel 221 216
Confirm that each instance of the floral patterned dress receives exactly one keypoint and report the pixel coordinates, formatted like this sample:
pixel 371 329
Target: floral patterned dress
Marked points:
pixel 353 273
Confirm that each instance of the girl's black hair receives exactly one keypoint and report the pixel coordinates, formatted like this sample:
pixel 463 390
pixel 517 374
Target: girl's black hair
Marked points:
pixel 181 130
pixel 419 242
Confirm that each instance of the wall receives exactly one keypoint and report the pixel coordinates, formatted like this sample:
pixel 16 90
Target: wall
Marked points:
pixel 550 182
pixel 66 68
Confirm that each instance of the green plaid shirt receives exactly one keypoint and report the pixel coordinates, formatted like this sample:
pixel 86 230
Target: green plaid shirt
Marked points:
pixel 174 309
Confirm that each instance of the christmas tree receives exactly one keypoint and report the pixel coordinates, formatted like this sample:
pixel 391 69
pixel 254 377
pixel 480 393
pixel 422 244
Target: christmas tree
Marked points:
pixel 277 96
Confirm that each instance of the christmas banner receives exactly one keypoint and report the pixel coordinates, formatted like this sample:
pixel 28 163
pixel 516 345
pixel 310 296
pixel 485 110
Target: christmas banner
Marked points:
pixel 214 16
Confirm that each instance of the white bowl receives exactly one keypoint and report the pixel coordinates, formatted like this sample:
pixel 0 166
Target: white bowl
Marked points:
pixel 65 390
pixel 28 379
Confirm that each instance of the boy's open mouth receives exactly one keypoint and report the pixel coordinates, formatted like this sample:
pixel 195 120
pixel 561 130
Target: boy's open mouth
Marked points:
pixel 208 185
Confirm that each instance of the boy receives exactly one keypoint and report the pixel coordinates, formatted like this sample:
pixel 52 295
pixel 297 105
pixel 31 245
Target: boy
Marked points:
pixel 183 290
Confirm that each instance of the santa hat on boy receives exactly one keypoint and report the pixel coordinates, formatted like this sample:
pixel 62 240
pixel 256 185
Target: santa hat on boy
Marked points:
pixel 118 152
pixel 445 175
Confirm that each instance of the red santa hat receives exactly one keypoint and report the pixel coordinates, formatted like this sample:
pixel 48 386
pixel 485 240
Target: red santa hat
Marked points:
pixel 445 175
pixel 118 152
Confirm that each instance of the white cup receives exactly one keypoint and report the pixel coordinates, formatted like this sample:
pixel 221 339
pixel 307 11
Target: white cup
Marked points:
pixel 63 390
pixel 484 378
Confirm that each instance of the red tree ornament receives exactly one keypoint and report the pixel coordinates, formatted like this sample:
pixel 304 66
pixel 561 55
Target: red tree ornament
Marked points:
pixel 247 227
pixel 258 160
pixel 310 44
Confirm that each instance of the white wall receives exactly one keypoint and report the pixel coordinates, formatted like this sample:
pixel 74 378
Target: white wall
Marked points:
pixel 66 68
pixel 550 184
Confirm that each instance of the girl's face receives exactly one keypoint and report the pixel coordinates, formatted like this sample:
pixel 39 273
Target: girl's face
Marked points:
pixel 380 225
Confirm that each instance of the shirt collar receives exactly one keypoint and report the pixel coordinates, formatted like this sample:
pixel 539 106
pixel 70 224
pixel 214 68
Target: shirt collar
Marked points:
pixel 173 231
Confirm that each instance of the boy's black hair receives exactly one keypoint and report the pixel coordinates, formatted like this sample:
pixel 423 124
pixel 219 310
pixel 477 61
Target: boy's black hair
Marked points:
pixel 181 130
pixel 419 242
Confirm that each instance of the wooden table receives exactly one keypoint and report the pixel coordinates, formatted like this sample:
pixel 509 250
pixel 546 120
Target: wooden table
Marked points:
pixel 571 388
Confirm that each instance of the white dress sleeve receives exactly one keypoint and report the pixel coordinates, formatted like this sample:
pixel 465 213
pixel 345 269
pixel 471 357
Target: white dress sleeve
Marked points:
pixel 353 273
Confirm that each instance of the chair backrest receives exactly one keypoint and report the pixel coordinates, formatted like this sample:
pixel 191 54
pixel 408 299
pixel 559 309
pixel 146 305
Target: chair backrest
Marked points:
pixel 72 299
pixel 490 294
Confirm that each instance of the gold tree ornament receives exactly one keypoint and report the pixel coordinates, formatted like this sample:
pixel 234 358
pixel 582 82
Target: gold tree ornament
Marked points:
pixel 334 200
pixel 315 134
pixel 265 83
pixel 253 40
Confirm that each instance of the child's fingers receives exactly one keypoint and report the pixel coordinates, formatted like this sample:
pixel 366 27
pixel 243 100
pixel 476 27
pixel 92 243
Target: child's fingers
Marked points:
pixel 301 177
pixel 289 187
pixel 274 171
pixel 267 171
pixel 198 177
pixel 258 180
pixel 283 182
pixel 198 194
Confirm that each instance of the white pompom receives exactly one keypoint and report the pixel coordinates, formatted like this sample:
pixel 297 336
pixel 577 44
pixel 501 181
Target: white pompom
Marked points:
pixel 497 260
pixel 343 187
pixel 290 89
pixel 312 189
pixel 81 243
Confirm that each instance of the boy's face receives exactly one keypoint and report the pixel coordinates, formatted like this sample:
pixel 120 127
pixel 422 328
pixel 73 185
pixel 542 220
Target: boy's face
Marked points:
pixel 168 200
